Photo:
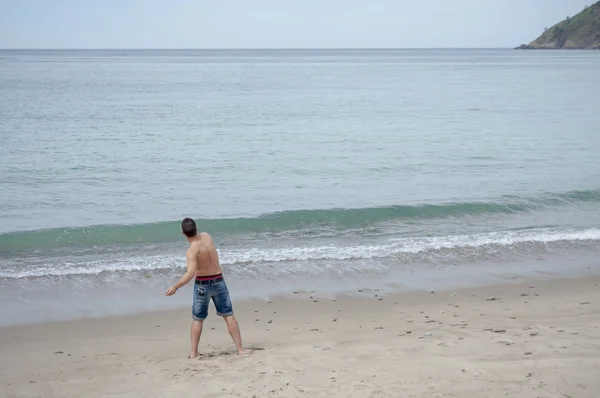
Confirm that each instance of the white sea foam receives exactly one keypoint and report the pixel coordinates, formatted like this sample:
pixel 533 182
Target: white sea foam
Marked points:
pixel 293 259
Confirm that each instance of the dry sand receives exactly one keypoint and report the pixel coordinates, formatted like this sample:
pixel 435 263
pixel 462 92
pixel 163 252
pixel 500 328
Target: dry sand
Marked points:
pixel 521 339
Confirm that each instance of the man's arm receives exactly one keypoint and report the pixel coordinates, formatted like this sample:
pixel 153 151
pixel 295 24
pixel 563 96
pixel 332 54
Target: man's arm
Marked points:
pixel 189 274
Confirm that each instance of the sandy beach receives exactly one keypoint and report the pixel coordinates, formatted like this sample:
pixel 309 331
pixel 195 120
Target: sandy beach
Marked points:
pixel 525 338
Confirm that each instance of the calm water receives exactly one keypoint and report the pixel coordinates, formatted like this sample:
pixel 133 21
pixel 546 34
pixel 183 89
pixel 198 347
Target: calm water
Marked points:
pixel 312 169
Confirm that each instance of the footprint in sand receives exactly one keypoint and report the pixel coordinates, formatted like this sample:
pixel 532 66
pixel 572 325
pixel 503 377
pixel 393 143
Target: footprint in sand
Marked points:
pixel 209 355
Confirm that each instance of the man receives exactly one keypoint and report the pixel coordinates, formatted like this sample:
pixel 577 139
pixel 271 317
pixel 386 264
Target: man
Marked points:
pixel 203 263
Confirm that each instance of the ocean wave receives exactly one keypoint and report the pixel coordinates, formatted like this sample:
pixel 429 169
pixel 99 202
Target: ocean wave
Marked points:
pixel 297 259
pixel 290 220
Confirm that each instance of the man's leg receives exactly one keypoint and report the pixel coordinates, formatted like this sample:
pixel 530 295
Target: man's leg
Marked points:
pixel 199 314
pixel 234 330
pixel 195 337
pixel 225 309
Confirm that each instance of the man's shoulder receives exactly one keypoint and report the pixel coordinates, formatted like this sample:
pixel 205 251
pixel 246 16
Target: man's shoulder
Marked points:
pixel 191 252
pixel 205 236
pixel 203 244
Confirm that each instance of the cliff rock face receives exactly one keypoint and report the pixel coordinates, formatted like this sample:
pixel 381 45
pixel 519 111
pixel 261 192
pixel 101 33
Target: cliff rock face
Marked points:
pixel 579 32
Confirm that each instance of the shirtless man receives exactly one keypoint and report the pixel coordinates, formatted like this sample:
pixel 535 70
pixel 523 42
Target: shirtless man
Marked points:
pixel 203 263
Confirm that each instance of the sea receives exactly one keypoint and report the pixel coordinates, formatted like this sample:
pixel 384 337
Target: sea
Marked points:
pixel 320 171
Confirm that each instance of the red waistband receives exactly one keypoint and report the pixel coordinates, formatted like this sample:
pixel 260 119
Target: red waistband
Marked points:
pixel 208 277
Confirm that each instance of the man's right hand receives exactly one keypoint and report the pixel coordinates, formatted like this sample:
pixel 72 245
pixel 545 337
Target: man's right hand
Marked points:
pixel 171 291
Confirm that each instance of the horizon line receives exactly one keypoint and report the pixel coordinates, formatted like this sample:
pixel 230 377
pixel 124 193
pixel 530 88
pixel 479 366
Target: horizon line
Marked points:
pixel 250 48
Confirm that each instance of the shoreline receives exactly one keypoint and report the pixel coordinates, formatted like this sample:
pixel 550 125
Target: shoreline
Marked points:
pixel 133 294
pixel 547 342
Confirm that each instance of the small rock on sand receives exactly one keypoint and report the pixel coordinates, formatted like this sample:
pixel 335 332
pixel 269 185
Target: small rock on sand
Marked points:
pixel 533 333
pixel 499 331
pixel 528 353
pixel 524 295
pixel 270 321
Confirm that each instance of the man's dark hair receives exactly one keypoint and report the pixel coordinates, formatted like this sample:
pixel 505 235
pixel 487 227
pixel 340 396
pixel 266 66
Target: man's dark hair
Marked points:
pixel 188 226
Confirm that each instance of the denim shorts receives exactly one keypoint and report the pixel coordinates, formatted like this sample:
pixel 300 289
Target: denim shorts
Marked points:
pixel 203 293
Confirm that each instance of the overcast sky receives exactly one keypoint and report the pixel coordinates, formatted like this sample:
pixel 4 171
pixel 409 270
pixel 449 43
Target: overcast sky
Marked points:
pixel 277 23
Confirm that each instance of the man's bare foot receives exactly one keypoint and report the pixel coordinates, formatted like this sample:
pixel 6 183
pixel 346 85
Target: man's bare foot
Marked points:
pixel 193 355
pixel 244 352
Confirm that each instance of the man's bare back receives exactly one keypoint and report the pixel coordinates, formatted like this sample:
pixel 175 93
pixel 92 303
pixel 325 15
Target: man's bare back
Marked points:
pixel 205 254
pixel 203 265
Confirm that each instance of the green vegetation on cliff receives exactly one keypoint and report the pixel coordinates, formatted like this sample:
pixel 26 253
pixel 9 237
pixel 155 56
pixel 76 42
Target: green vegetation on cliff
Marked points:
pixel 579 32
